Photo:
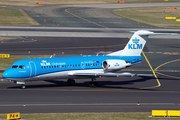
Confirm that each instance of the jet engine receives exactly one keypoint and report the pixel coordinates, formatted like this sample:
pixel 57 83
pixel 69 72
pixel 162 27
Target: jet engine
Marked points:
pixel 114 65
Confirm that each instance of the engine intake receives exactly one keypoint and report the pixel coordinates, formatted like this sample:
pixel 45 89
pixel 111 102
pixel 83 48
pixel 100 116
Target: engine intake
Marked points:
pixel 114 65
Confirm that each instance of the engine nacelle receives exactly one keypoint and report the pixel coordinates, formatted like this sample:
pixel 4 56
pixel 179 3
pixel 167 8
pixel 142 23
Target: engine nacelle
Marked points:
pixel 114 65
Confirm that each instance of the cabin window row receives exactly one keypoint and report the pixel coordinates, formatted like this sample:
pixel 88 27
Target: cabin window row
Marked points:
pixel 64 66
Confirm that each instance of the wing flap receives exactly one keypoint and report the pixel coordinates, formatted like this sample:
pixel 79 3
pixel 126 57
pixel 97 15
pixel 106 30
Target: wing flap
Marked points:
pixel 110 74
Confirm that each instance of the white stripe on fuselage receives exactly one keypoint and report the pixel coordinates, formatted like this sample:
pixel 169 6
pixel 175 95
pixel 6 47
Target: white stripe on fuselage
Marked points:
pixel 66 74
pixel 59 75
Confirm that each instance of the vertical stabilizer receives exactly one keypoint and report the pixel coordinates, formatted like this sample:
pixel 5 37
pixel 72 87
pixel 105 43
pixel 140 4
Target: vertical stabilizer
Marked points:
pixel 135 44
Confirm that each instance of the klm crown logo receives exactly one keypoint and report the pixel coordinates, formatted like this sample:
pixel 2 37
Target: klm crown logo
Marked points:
pixel 116 65
pixel 135 40
pixel 135 45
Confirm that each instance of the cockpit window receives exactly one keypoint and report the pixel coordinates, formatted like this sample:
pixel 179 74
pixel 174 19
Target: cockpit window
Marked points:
pixel 15 66
pixel 22 67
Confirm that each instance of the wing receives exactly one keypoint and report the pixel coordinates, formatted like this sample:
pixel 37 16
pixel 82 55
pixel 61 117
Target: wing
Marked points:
pixel 110 74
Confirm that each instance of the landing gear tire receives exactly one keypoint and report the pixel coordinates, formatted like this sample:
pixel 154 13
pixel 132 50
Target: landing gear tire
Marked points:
pixel 90 84
pixel 23 86
pixel 71 82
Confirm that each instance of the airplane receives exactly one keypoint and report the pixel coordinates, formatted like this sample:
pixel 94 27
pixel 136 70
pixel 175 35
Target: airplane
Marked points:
pixel 81 67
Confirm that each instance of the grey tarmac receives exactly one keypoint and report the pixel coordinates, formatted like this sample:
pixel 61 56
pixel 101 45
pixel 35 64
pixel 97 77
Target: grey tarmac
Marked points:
pixel 88 29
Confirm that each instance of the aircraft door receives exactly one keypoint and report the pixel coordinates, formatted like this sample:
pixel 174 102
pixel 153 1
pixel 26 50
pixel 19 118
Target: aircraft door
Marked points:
pixel 82 65
pixel 32 69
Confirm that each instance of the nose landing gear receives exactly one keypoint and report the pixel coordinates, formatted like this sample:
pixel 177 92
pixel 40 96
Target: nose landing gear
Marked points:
pixel 22 83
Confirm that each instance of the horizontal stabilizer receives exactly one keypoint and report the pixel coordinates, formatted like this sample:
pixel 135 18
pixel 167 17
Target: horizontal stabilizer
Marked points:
pixel 137 42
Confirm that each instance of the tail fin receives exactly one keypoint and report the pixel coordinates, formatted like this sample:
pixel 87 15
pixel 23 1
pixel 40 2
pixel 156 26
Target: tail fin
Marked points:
pixel 135 44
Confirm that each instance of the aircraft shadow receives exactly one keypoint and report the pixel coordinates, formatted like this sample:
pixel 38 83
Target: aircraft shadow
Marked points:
pixel 101 84
pixel 121 84
pixel 56 84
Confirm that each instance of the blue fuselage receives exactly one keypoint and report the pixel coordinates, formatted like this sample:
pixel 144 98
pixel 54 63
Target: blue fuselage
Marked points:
pixel 28 68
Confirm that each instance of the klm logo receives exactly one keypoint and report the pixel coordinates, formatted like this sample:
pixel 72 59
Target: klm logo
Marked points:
pixel 135 45
pixel 116 65
pixel 135 40
pixel 44 63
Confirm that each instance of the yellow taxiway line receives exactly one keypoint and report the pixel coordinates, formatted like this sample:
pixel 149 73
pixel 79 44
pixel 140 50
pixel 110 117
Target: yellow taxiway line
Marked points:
pixel 159 84
pixel 85 19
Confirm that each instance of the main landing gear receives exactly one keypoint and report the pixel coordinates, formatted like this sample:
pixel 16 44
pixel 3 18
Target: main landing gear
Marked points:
pixel 71 82
pixel 93 83
pixel 23 86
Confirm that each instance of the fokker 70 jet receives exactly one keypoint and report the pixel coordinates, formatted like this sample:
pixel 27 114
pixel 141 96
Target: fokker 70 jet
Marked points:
pixel 81 67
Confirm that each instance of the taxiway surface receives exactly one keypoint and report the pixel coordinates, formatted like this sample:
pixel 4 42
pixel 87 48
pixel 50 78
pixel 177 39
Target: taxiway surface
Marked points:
pixel 113 94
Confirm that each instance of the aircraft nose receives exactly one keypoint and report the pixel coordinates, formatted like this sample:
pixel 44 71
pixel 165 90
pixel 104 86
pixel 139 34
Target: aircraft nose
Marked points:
pixel 5 74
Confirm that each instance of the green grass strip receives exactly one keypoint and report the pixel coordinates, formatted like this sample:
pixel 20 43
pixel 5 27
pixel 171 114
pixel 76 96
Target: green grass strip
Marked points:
pixel 86 116
pixel 15 17
pixel 154 16
pixel 90 116
pixel 6 63
pixel 149 1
